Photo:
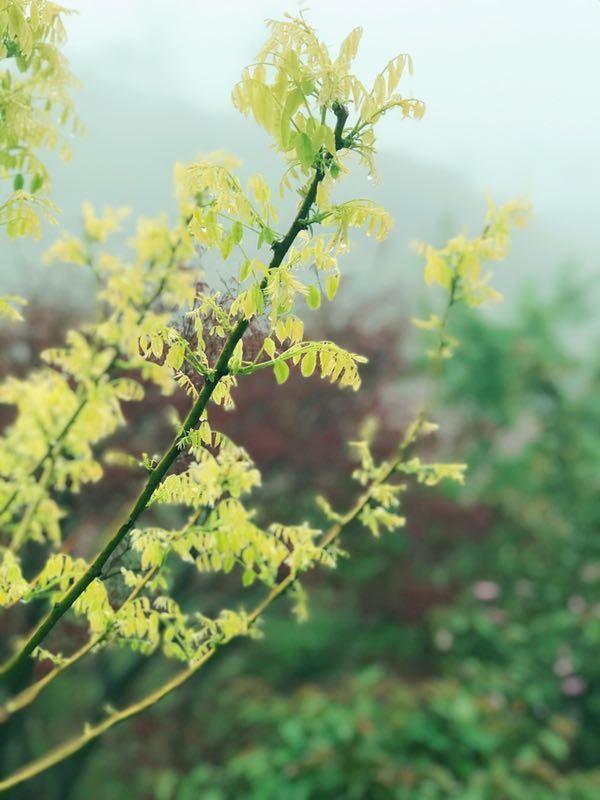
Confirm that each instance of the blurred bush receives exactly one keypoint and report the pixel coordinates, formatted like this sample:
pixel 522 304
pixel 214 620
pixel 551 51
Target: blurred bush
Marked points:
pixel 482 617
pixel 527 624
pixel 378 738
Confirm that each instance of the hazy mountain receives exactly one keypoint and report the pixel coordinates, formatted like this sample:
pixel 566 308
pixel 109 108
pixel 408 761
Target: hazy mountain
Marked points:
pixel 127 155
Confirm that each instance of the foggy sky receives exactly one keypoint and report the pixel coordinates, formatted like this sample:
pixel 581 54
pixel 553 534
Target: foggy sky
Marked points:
pixel 511 86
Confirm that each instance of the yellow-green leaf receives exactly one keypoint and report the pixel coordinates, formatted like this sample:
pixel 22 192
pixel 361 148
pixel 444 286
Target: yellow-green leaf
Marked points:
pixel 313 297
pixel 331 286
pixel 281 370
pixel 309 363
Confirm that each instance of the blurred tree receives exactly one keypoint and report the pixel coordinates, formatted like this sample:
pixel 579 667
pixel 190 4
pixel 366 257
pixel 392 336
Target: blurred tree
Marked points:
pixel 34 106
pixel 494 693
pixel 157 323
pixel 527 625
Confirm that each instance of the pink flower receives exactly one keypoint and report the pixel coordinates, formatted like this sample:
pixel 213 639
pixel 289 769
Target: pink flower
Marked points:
pixel 486 590
pixel 563 666
pixel 573 686
pixel 444 639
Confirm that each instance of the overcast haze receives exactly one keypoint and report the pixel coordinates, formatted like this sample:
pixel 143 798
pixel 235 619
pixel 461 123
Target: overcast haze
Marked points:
pixel 511 90
pixel 511 86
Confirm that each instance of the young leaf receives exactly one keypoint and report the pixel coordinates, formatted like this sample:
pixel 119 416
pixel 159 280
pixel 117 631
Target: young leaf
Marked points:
pixel 175 355
pixel 281 370
pixel 237 231
pixel 313 297
pixel 331 286
pixel 304 150
pixel 309 363
pixel 269 347
pixel 245 270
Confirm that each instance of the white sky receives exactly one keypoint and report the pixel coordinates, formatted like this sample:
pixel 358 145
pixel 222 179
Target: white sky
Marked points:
pixel 511 86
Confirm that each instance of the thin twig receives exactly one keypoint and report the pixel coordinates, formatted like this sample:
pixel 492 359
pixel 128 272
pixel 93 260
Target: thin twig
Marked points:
pixel 280 249
pixel 92 732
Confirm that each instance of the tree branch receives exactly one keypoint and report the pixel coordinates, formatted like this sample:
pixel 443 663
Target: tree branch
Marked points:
pixel 51 449
pixel 30 693
pixel 92 732
pixel 60 608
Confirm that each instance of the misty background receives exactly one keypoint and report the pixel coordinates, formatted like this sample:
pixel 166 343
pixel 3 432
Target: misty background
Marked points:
pixel 457 658
pixel 512 109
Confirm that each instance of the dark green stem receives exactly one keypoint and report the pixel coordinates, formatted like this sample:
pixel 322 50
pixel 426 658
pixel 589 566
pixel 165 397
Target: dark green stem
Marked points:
pixel 60 608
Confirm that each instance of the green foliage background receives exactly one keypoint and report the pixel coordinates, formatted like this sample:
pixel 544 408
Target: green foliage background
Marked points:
pixel 459 659
pixel 406 684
